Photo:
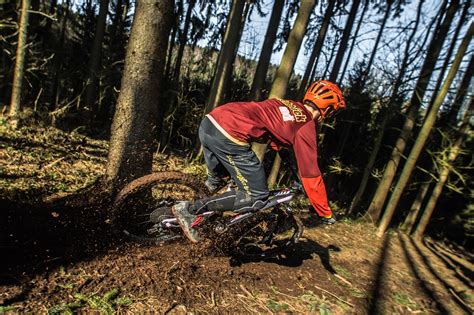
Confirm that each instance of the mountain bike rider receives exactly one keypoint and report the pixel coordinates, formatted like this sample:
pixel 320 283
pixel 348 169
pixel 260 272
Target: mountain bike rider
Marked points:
pixel 226 134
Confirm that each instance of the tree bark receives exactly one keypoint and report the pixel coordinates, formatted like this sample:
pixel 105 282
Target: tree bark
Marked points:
pixel 266 53
pixel 19 64
pixel 284 71
pixel 443 174
pixel 317 48
pixel 94 63
pixel 385 117
pixel 410 220
pixel 423 135
pixel 225 60
pixel 134 130
pixel 344 41
pixel 434 49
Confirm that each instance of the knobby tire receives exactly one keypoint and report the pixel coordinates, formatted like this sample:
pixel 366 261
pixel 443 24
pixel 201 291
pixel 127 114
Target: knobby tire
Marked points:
pixel 260 249
pixel 136 204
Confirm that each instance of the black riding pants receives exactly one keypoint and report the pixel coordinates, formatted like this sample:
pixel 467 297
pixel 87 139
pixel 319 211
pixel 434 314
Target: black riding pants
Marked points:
pixel 224 157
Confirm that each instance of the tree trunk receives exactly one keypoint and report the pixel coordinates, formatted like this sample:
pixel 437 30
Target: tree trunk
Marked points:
pixel 244 63
pixel 443 174
pixel 171 46
pixel 317 48
pixel 266 53
pixel 182 42
pixel 272 177
pixel 461 93
pixel 284 71
pixel 353 41
pixel 410 220
pixel 426 71
pixel 116 26
pixel 444 67
pixel 131 148
pixel 94 63
pixel 344 41
pixel 57 60
pixel 379 36
pixel 225 60
pixel 423 135
pixel 174 80
pixel 283 74
pixel 19 64
pixel 385 118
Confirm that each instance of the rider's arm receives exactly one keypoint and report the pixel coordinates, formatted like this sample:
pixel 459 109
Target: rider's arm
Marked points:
pixel 306 154
pixel 316 192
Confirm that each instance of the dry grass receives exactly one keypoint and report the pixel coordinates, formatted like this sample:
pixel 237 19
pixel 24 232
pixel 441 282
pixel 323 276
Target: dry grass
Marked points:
pixel 40 162
pixel 43 161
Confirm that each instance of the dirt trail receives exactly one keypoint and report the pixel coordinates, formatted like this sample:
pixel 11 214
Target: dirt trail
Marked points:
pixel 343 269
pixel 59 255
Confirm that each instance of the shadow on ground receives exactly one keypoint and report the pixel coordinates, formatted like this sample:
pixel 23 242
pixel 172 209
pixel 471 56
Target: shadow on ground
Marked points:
pixel 305 249
pixel 39 236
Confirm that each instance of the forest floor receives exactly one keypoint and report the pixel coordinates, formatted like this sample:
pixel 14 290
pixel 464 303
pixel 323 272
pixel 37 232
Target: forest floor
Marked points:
pixel 59 254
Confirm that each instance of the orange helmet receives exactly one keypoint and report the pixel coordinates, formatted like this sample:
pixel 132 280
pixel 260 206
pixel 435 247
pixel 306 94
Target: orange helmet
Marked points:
pixel 326 96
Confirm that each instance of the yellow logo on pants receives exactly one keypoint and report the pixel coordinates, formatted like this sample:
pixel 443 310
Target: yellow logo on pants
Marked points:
pixel 240 177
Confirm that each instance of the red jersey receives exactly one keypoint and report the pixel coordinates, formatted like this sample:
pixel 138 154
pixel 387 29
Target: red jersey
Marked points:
pixel 285 123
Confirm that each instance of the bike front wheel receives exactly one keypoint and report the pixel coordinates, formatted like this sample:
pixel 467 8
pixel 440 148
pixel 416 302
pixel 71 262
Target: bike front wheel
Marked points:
pixel 268 235
pixel 142 209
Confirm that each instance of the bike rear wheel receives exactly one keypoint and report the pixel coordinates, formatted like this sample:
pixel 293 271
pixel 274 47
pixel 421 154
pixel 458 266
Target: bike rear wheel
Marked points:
pixel 269 235
pixel 142 209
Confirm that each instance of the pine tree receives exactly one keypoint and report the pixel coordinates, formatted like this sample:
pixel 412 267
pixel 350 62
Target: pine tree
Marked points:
pixel 423 135
pixel 266 53
pixel 131 148
pixel 226 54
pixel 94 62
pixel 283 74
pixel 318 45
pixel 344 40
pixel 426 71
pixel 19 64
pixel 386 115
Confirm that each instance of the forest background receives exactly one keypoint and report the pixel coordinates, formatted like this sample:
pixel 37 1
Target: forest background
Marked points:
pixel 402 149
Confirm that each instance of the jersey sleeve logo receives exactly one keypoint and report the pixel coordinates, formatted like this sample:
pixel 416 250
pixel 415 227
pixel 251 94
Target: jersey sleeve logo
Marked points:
pixel 285 114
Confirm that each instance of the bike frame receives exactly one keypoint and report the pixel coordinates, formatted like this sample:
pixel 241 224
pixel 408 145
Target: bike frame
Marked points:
pixel 281 196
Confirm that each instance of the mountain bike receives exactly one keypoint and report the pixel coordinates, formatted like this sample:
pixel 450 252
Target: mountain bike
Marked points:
pixel 142 212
